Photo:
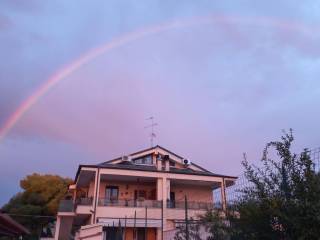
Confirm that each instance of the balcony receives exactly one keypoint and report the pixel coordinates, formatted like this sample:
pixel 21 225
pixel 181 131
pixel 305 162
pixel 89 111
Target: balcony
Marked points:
pixel 66 206
pixel 79 206
pixel 190 205
pixel 128 208
pixel 84 201
pixel 130 203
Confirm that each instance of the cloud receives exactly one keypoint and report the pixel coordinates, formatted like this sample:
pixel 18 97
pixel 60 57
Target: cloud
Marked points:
pixel 5 22
pixel 216 90
pixel 40 155
pixel 195 76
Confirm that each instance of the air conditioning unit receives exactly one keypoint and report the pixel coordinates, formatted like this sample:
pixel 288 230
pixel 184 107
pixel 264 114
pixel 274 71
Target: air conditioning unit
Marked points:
pixel 126 158
pixel 186 161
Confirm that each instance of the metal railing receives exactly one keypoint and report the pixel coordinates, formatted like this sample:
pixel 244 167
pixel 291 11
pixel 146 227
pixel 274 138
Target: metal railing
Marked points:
pixel 84 201
pixel 130 203
pixel 190 205
pixel 66 206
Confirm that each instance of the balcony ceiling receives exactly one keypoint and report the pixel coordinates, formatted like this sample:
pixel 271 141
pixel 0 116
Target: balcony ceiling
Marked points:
pixel 192 183
pixel 85 177
pixel 127 179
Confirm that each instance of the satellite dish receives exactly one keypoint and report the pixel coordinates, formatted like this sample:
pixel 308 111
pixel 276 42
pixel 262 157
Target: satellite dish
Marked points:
pixel 186 161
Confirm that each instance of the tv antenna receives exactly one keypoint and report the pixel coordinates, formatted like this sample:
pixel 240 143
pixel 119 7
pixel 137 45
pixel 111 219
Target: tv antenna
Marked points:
pixel 151 126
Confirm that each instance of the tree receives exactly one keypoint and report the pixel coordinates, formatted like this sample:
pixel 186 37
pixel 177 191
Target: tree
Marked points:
pixel 194 231
pixel 40 197
pixel 282 200
pixel 216 224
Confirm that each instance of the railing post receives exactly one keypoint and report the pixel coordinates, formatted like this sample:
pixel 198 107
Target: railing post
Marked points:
pixel 145 224
pixel 134 225
pixel 161 220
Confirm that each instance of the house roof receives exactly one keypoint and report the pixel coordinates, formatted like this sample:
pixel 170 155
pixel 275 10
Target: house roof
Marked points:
pixel 155 147
pixel 131 166
pixel 11 228
pixel 153 169
pixel 146 150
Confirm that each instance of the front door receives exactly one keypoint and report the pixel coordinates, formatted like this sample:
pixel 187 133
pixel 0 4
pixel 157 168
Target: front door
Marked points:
pixel 141 234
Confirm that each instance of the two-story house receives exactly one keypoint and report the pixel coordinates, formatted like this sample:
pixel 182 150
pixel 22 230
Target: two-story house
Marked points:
pixel 145 194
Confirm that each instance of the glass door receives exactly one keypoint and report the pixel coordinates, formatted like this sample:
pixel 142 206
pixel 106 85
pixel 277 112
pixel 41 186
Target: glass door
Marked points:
pixel 112 194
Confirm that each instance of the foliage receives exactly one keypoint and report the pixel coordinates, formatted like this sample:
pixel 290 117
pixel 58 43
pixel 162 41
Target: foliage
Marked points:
pixel 282 200
pixel 194 231
pixel 40 197
pixel 216 225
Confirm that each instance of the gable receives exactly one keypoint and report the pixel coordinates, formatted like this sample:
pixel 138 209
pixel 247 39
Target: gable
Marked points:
pixel 143 158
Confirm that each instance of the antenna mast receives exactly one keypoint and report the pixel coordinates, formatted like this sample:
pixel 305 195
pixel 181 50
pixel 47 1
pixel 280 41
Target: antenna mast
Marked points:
pixel 151 126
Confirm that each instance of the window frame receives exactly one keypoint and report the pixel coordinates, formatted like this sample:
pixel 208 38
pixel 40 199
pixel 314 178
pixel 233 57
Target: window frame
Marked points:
pixel 143 158
pixel 112 188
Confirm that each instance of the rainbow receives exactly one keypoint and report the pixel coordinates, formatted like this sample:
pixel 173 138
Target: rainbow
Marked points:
pixel 125 39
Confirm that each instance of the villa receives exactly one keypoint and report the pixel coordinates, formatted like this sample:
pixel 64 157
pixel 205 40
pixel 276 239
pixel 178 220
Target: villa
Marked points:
pixel 145 194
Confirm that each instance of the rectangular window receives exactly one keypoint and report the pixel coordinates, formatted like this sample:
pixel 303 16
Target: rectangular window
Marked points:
pixel 140 194
pixel 112 193
pixel 146 160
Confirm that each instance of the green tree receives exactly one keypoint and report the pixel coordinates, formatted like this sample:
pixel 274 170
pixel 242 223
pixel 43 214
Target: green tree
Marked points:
pixel 282 200
pixel 193 228
pixel 40 197
pixel 216 224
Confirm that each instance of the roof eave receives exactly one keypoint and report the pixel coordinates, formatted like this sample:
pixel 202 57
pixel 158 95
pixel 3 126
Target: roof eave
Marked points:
pixel 209 174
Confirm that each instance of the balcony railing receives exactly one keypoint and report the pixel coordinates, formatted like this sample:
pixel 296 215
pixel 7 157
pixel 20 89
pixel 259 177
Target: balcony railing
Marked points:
pixel 190 205
pixel 66 206
pixel 84 201
pixel 69 206
pixel 130 203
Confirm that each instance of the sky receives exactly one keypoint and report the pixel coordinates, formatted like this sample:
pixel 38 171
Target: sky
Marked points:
pixel 220 78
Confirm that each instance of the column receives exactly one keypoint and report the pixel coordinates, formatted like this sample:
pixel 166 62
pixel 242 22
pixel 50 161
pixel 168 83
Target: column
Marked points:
pixel 74 196
pixel 57 231
pixel 168 189
pixel 159 165
pixel 154 158
pixel 63 227
pixel 159 189
pixel 95 195
pixel 160 186
pixel 159 237
pixel 164 192
pixel 167 164
pixel 223 195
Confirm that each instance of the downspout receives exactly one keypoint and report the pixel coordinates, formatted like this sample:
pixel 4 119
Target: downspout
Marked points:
pixel 96 195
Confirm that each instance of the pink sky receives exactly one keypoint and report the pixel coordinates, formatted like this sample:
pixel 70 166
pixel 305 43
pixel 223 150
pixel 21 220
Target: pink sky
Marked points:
pixel 216 90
